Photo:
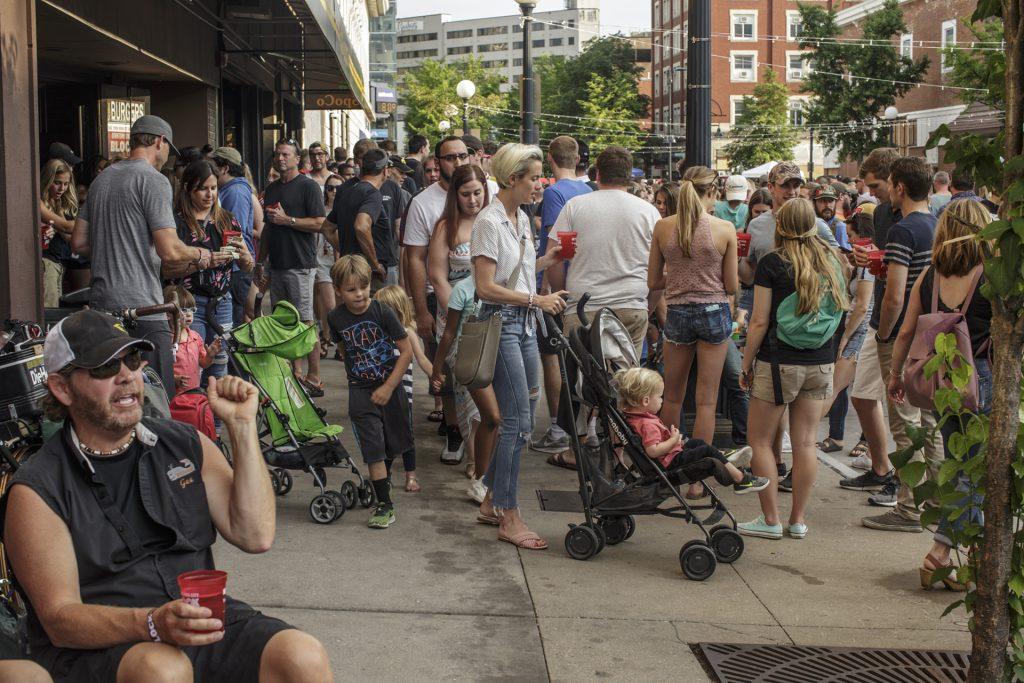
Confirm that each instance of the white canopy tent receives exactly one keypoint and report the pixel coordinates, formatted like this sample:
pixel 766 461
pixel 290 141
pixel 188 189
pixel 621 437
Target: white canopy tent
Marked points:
pixel 758 171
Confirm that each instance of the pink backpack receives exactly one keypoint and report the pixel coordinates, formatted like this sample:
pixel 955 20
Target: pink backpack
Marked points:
pixel 920 390
pixel 192 407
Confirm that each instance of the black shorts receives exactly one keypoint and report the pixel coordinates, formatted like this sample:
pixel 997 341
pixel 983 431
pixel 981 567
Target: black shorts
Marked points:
pixel 381 431
pixel 545 342
pixel 233 659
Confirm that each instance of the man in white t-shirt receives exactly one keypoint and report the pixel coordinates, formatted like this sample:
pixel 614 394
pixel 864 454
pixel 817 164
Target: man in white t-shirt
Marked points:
pixel 424 211
pixel 613 245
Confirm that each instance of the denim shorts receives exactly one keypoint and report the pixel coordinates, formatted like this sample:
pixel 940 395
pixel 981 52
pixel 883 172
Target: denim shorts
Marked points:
pixel 856 341
pixel 689 323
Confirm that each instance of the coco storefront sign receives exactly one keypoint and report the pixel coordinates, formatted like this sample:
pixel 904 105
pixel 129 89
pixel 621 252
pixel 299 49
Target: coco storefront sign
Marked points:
pixel 116 118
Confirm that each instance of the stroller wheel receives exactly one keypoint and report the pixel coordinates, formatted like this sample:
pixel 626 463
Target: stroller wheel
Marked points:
pixel 285 478
pixel 365 494
pixel 323 509
pixel 697 561
pixel 727 544
pixel 602 539
pixel 618 529
pixel 582 543
pixel 349 494
pixel 340 501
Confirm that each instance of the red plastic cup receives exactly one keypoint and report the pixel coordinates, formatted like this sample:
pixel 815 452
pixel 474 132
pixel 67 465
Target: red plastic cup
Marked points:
pixel 568 240
pixel 876 264
pixel 205 588
pixel 43 229
pixel 865 242
pixel 742 244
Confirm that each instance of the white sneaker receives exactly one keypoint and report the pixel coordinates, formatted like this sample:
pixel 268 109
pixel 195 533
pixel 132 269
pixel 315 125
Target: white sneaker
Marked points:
pixel 453 457
pixel 787 445
pixel 740 457
pixel 861 462
pixel 477 491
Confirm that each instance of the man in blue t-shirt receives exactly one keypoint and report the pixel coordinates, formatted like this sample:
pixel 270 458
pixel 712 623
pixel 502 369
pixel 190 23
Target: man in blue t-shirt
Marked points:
pixel 563 155
pixel 235 194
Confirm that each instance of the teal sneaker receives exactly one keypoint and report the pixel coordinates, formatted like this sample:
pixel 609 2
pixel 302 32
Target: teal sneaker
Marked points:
pixel 797 530
pixel 383 516
pixel 760 528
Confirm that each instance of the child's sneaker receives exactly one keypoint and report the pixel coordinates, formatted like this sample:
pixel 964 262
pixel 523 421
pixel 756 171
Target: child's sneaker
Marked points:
pixel 382 517
pixel 740 457
pixel 750 484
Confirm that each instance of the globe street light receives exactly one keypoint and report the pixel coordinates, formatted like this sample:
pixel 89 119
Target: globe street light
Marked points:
pixel 529 136
pixel 444 126
pixel 891 114
pixel 465 89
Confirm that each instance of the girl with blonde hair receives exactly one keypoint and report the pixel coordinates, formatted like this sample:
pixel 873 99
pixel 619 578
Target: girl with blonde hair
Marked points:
pixel 693 259
pixel 58 207
pixel 799 300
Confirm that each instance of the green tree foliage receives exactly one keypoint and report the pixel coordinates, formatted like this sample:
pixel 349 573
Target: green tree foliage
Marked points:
pixel 762 132
pixel 429 94
pixel 605 110
pixel 851 98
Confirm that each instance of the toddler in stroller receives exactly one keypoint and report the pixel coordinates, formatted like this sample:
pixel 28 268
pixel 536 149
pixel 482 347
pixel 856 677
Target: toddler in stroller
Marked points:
pixel 640 391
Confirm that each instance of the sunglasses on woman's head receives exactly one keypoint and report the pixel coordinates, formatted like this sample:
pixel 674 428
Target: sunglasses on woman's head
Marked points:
pixel 333 188
pixel 132 359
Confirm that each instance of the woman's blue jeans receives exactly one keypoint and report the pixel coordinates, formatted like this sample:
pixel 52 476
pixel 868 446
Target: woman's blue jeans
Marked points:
pixel 517 387
pixel 973 514
pixel 223 316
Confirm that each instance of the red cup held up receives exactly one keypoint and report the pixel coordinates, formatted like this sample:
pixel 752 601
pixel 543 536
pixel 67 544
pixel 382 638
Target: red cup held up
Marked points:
pixel 568 241
pixel 205 588
pixel 743 244
pixel 876 265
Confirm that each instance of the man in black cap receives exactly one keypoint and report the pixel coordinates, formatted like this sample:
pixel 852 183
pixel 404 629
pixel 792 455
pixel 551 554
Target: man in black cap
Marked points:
pixel 128 232
pixel 101 522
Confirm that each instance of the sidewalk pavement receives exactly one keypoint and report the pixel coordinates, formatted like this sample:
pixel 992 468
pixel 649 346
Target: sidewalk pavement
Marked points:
pixel 437 597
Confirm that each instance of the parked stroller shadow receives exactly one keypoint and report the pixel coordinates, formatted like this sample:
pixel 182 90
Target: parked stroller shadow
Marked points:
pixel 293 432
pixel 616 478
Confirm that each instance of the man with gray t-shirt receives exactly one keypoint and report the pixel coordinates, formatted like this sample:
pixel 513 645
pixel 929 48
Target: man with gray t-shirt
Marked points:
pixel 127 229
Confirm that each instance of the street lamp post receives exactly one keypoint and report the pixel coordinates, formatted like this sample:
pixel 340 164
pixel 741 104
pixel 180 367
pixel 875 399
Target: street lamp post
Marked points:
pixel 672 118
pixel 529 135
pixel 465 89
pixel 698 86
pixel 891 114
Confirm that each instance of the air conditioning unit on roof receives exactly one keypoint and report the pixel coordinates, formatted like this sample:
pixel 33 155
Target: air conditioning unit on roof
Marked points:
pixel 743 75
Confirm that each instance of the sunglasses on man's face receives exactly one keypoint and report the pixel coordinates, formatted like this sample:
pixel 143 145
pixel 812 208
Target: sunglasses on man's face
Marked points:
pixel 132 359
pixel 452 158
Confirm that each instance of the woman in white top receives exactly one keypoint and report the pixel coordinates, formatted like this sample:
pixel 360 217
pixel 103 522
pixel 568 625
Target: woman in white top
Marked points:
pixel 504 267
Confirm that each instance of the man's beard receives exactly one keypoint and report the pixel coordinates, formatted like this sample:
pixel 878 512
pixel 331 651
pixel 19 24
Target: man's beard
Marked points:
pixel 447 177
pixel 102 415
pixel 826 215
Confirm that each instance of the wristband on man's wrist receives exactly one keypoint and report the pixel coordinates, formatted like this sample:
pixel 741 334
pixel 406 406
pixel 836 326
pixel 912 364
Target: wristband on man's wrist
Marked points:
pixel 154 636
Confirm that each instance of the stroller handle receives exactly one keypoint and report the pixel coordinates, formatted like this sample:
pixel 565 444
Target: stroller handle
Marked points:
pixel 580 313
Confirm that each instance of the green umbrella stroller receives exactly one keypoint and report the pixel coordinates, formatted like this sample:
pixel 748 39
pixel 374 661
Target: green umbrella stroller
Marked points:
pixel 293 432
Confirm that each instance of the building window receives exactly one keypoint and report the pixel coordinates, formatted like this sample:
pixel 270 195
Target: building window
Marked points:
pixel 417 54
pixel 492 31
pixel 796 112
pixel 739 104
pixel 794 25
pixel 744 25
pixel 462 50
pixel 539 42
pixel 572 40
pixel 417 38
pixel 518 61
pixel 907 45
pixel 948 39
pixel 495 64
pixel 492 47
pixel 794 66
pixel 571 23
pixel 744 67
pixel 467 33
pixel 517 45
pixel 537 26
pixel 555 42
pixel 657 84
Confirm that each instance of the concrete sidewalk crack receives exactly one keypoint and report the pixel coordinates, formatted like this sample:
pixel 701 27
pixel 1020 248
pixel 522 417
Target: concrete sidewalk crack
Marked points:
pixel 536 617
pixel 766 608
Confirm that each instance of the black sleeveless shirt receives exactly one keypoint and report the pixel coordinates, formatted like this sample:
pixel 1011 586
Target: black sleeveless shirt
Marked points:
pixel 978 313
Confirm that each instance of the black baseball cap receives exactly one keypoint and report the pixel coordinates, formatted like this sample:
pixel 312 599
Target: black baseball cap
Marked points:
pixel 87 339
pixel 399 163
pixel 473 143
pixel 58 150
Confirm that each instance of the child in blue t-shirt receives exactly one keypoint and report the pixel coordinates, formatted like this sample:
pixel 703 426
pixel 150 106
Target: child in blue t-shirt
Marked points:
pixel 476 409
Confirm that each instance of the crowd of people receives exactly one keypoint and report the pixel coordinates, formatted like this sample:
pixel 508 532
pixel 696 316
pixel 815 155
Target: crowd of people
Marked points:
pixel 792 299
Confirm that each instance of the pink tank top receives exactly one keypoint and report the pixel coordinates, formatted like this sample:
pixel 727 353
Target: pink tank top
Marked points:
pixel 697 279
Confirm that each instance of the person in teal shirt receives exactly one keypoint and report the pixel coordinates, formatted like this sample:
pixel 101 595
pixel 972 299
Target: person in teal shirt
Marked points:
pixel 734 208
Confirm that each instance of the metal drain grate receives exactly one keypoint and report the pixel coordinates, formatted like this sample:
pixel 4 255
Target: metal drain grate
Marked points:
pixel 734 663
pixel 559 501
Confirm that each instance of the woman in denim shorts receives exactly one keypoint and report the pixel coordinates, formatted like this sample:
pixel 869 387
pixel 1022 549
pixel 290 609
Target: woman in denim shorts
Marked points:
pixel 693 258
pixel 860 225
